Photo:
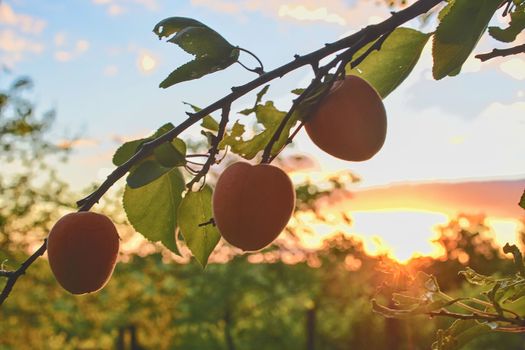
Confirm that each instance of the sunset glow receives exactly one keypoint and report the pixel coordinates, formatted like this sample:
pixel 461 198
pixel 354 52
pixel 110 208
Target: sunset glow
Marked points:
pixel 400 234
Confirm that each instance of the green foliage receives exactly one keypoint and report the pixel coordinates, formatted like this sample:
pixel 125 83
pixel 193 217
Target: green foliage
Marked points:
pixel 144 173
pixel 269 117
pixel 522 200
pixel 171 154
pixel 152 209
pixel 31 195
pixel 212 52
pixel 497 308
pixel 387 68
pixel 455 38
pixel 459 334
pixel 193 214
pixel 209 123
pixel 516 25
pixel 166 154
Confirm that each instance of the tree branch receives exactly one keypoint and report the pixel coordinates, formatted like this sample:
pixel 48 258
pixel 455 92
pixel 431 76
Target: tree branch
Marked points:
pixel 477 317
pixel 501 53
pixel 371 32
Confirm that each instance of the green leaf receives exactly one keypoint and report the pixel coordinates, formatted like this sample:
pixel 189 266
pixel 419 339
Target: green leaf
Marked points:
pixel 390 66
pixel 152 209
pixel 233 136
pixel 128 149
pixel 172 25
pixel 458 334
pixel 455 37
pixel 209 123
pixel 522 200
pixel 144 173
pixel 212 52
pixel 297 91
pixel 518 292
pixel 261 94
pixel 476 278
pixel 197 68
pixel 516 26
pixel 195 210
pixel 518 257
pixel 445 10
pixel 270 118
pixel 258 99
pixel 171 154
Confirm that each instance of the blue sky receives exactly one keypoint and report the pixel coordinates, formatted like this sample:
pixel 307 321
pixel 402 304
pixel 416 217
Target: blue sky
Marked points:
pixel 99 64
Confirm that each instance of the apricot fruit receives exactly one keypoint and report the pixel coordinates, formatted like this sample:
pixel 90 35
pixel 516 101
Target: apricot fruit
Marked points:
pixel 252 204
pixel 82 250
pixel 350 121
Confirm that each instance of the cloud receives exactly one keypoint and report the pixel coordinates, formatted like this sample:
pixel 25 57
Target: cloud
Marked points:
pixel 429 144
pixel 514 67
pixel 111 70
pixel 25 23
pixel 115 10
pixel 118 7
pixel 302 13
pixel 81 46
pixel 13 47
pixel 78 143
pixel 63 56
pixel 59 39
pixel 76 50
pixel 330 11
pixel 17 37
pixel 11 42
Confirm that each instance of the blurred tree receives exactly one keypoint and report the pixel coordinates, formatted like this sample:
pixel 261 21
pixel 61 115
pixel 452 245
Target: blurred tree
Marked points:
pixel 31 190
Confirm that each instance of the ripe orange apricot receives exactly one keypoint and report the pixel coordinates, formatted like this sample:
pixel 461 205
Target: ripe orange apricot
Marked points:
pixel 82 249
pixel 252 204
pixel 350 122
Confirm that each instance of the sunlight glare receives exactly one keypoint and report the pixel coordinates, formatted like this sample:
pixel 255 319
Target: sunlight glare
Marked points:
pixel 404 233
pixel 504 230
pixel 147 63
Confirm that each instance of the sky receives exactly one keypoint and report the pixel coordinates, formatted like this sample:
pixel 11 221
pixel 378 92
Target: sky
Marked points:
pixel 98 64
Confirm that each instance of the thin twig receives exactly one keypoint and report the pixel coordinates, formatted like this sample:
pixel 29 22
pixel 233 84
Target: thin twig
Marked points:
pixel 209 222
pixel 501 53
pixel 194 163
pixel 476 316
pixel 376 46
pixel 214 148
pixel 259 70
pixel 4 273
pixel 196 155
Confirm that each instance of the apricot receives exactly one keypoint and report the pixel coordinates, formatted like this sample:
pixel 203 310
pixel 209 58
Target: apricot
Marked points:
pixel 350 121
pixel 82 249
pixel 252 204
